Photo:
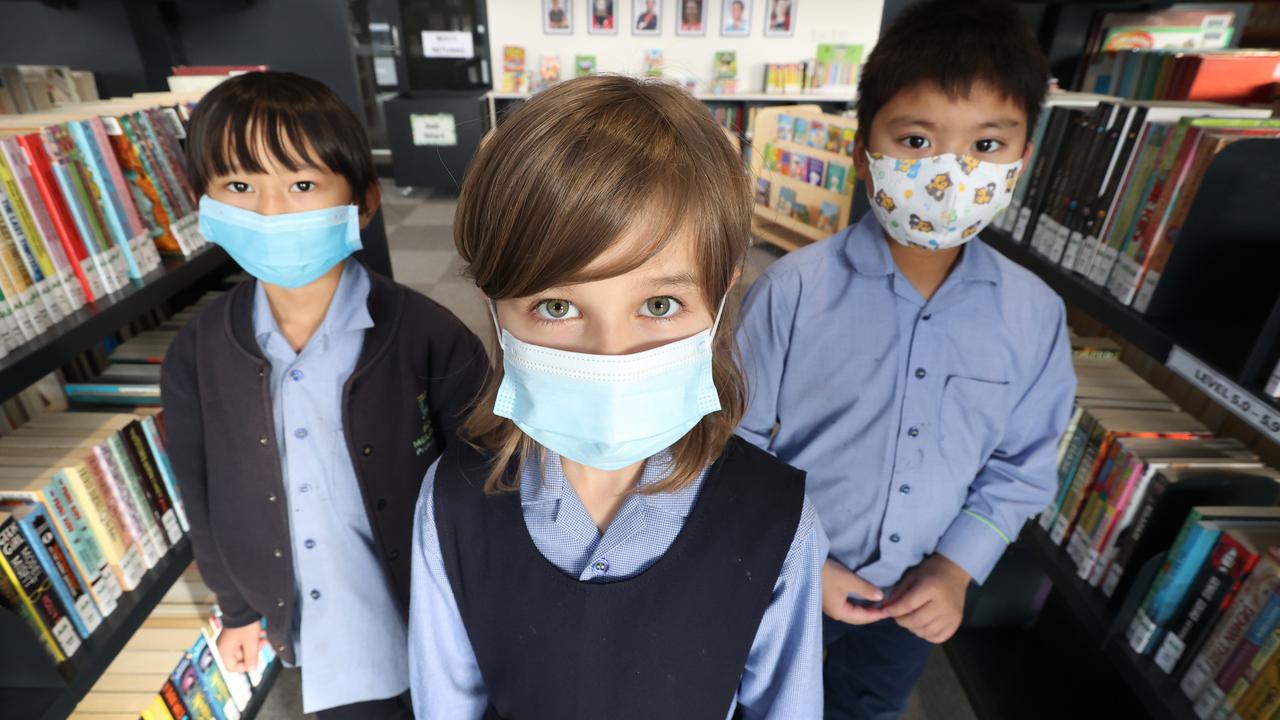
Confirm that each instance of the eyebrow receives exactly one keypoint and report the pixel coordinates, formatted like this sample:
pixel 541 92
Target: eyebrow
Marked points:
pixel 683 279
pixel 1000 124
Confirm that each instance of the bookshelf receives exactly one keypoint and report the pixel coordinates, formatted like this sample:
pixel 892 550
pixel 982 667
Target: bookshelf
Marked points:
pixel 88 325
pixel 49 695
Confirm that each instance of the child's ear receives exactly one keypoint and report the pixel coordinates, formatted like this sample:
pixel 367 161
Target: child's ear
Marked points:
pixel 860 169
pixel 372 201
pixel 1026 154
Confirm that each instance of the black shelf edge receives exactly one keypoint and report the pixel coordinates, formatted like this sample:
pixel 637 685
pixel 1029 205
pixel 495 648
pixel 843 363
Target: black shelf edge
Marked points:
pixel 62 342
pixel 100 649
pixel 1077 291
pixel 1149 684
pixel 260 692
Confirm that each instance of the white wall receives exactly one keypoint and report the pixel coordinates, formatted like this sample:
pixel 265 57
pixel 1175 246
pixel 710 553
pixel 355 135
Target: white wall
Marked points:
pixel 519 22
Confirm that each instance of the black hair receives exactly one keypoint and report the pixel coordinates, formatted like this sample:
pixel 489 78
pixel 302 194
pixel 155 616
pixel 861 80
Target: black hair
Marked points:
pixel 955 44
pixel 240 117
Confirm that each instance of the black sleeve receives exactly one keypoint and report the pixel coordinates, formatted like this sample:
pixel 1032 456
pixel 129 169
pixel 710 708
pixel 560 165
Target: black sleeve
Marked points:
pixel 458 367
pixel 184 430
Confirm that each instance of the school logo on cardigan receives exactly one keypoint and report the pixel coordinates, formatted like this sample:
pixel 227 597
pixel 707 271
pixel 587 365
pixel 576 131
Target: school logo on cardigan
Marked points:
pixel 423 441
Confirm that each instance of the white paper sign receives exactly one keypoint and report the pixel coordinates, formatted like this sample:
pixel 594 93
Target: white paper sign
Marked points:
pixel 1247 406
pixel 438 129
pixel 457 45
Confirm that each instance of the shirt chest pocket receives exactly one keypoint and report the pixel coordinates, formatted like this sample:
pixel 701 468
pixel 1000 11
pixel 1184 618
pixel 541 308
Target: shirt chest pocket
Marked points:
pixel 342 488
pixel 972 420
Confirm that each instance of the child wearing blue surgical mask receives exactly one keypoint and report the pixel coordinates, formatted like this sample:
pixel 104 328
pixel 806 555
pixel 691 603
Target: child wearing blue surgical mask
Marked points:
pixel 304 406
pixel 604 547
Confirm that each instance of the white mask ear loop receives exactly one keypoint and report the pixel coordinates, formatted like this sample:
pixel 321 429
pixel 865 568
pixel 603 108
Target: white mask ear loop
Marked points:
pixel 493 313
pixel 715 327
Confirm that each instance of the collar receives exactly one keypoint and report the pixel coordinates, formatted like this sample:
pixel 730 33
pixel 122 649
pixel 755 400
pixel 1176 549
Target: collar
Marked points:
pixel 868 250
pixel 348 310
pixel 542 480
pixel 384 306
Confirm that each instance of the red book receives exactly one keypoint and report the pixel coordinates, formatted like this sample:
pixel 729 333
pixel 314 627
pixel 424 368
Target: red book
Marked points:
pixel 1239 77
pixel 59 213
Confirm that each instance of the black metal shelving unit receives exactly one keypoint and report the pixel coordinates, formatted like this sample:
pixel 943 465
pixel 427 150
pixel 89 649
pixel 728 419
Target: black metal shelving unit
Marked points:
pixel 32 686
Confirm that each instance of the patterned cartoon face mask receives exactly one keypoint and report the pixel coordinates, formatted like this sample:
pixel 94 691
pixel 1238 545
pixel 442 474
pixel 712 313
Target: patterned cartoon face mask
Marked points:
pixel 941 201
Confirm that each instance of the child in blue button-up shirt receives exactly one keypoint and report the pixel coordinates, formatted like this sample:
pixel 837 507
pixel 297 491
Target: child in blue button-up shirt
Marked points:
pixel 920 378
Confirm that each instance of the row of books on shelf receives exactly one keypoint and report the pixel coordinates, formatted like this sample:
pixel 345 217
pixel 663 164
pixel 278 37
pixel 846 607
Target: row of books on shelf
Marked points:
pixel 89 198
pixel 824 215
pixel 88 504
pixel 1112 183
pixel 818 134
pixel 39 88
pixel 829 174
pixel 1146 491
pixel 1228 76
pixel 170 669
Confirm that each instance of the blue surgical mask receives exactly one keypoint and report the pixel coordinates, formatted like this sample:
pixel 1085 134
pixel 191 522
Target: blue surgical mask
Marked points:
pixel 289 250
pixel 607 411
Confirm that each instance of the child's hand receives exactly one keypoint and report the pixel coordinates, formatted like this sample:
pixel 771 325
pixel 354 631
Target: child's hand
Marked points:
pixel 838 583
pixel 929 601
pixel 239 646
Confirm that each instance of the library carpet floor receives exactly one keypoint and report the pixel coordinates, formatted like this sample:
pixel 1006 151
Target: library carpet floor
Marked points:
pixel 420 233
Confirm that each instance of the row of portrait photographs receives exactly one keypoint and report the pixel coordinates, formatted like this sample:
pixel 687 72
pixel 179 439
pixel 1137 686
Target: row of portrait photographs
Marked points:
pixel 557 17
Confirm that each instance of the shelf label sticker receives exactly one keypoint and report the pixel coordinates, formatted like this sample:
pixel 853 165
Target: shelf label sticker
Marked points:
pixel 1247 406
pixel 1146 291
pixel 1060 527
pixel 1141 630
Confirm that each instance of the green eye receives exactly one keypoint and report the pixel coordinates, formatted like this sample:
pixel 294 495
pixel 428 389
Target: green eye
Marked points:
pixel 660 307
pixel 556 309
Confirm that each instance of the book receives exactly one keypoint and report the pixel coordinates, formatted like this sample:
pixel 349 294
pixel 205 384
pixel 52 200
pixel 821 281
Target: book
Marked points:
pixel 786 200
pixel 211 681
pixel 835 68
pixel 828 216
pixel 786 127
pixel 1189 551
pixel 173 700
pixel 724 79
pixel 55 560
pixel 835 180
pixel 817 134
pixel 548 71
pixel 653 63
pixel 186 679
pixel 816 171
pixel 1215 693
pixel 515 79
pixel 1232 559
pixel 584 65
pixel 29 590
pixel 1254 594
pixel 762 192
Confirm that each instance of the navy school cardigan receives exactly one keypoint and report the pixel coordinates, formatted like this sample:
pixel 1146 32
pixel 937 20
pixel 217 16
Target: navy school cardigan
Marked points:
pixel 418 372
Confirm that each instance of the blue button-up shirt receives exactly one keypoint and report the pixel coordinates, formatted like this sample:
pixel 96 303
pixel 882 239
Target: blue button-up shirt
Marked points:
pixel 925 426
pixel 350 640
pixel 783 675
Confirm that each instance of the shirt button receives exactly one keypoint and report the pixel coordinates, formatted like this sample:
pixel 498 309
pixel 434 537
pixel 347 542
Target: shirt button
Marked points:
pixel 926 317
pixel 367 450
pixel 913 431
pixel 262 439
pixel 310 544
pixel 277 552
pixel 382 504
pixel 280 603
pixel 300 433
pixel 280 648
pixel 920 373
pixel 601 566
pixel 296 375
pixel 304 488
pixel 315 594
pixel 394 554
pixel 895 538
pixel 271 498
pixel 905 489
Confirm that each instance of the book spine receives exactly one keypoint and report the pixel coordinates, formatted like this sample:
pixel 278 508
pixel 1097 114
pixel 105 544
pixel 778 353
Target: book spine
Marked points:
pixel 1147 623
pixel 187 681
pixel 173 701
pixel 1218 581
pixel 144 512
pixel 19 291
pixel 238 684
pixel 78 535
pixel 1067 470
pixel 23 255
pixel 41 169
pixel 1215 693
pixel 151 207
pixel 215 688
pixel 127 516
pixel 94 260
pixel 155 444
pixel 1090 463
pixel 13 210
pixel 11 596
pixel 1126 545
pixel 35 223
pixel 71 592
pixel 21 565
pixel 1262 700
pixel 16 156
pixel 118 231
pixel 136 446
pixel 1155 231
pixel 145 249
pixel 119 548
pixel 1240 692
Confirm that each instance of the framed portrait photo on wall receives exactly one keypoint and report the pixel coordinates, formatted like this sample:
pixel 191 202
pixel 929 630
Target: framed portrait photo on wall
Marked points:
pixel 735 18
pixel 780 18
pixel 601 17
pixel 647 18
pixel 693 18
pixel 557 17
